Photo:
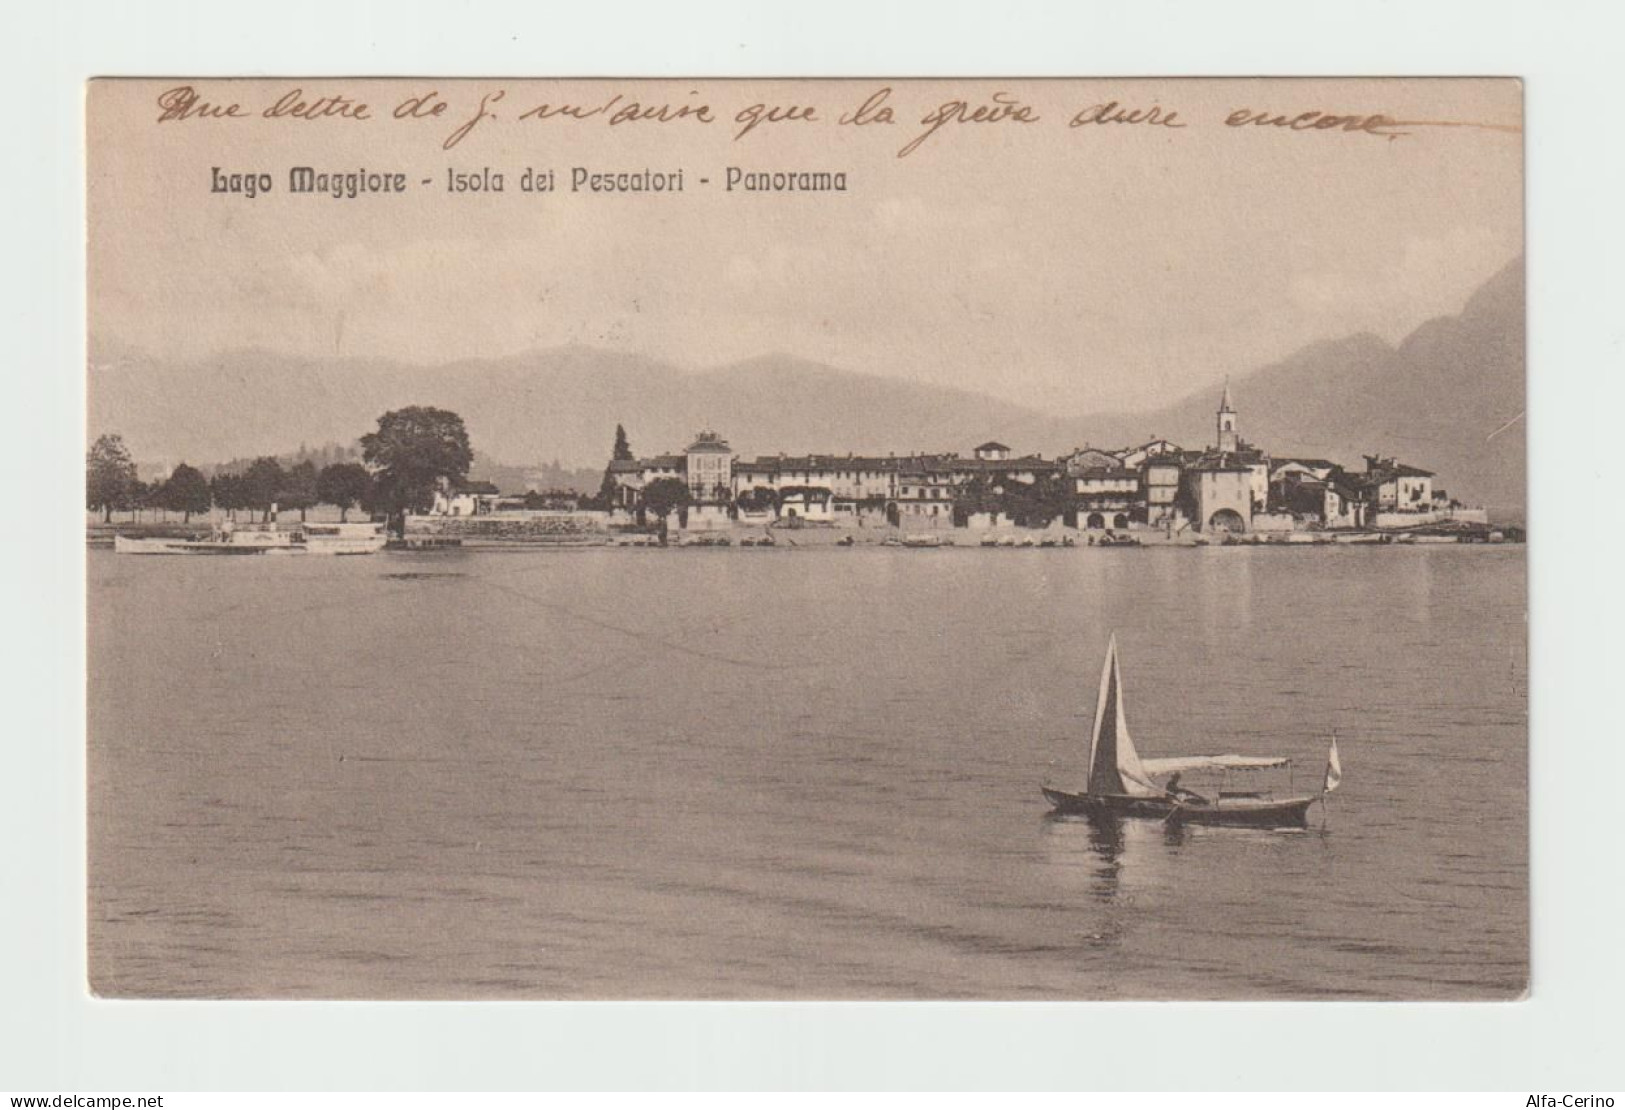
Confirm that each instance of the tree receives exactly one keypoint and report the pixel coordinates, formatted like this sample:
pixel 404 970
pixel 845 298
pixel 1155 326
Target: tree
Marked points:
pixel 663 495
pixel 345 485
pixel 605 497
pixel 758 499
pixel 227 492
pixel 623 449
pixel 261 483
pixel 299 488
pixel 186 491
pixel 109 476
pixel 413 450
pixel 142 495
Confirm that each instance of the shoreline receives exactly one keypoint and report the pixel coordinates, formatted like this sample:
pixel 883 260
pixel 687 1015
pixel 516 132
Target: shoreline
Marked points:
pixel 785 539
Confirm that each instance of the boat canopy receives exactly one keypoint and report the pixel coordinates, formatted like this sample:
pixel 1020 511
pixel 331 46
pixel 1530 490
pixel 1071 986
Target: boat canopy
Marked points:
pixel 1212 763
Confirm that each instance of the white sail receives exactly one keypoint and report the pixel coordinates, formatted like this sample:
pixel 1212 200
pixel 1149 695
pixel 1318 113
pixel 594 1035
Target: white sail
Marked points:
pixel 1334 770
pixel 1114 765
pixel 1108 670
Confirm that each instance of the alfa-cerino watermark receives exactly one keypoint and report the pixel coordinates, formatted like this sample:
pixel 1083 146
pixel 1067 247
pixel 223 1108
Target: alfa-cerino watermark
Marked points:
pixel 1581 1101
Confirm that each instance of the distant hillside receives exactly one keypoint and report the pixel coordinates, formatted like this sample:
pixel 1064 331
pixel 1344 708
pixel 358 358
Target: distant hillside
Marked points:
pixel 558 404
pixel 1449 397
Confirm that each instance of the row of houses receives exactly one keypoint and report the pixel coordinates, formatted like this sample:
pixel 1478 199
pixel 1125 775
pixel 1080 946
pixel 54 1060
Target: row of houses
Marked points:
pixel 1230 486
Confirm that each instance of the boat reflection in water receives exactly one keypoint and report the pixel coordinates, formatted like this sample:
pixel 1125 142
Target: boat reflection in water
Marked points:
pixel 1114 858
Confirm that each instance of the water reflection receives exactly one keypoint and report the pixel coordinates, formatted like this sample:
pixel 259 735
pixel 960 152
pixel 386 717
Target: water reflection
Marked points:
pixel 1118 857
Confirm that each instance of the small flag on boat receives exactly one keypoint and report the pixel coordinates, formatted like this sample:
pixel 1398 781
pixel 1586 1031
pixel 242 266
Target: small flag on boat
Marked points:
pixel 1334 770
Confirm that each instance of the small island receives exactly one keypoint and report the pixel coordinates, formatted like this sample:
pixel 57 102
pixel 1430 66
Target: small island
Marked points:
pixel 413 474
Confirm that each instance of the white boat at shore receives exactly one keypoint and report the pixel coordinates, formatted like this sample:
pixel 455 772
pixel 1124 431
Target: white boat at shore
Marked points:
pixel 302 539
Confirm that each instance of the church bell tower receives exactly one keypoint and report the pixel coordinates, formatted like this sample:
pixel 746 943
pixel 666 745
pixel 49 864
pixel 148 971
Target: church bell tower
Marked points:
pixel 1229 441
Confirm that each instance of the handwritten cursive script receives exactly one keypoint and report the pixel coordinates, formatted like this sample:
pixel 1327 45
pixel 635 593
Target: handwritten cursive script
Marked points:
pixel 998 111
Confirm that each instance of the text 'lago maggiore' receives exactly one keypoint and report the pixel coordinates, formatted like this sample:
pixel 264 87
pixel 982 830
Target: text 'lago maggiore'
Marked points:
pixel 363 182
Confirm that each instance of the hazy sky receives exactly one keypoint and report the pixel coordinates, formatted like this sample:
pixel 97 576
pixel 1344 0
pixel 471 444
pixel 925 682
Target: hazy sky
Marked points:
pixel 1074 269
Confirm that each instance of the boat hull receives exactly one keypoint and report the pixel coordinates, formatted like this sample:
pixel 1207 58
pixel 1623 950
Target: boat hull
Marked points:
pixel 314 545
pixel 1248 813
pixel 127 545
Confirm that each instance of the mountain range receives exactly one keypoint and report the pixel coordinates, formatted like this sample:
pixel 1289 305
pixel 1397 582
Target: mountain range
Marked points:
pixel 1448 397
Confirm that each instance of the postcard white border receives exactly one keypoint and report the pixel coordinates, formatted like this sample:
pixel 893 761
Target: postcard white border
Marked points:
pixel 58 1039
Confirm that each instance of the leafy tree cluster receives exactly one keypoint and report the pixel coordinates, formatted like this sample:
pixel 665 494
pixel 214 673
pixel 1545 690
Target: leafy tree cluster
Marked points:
pixel 110 478
pixel 663 496
pixel 411 452
pixel 345 485
pixel 757 499
pixel 266 483
pixel 1031 505
pixel 185 491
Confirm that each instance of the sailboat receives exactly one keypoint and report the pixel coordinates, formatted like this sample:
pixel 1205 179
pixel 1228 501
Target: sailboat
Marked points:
pixel 1122 784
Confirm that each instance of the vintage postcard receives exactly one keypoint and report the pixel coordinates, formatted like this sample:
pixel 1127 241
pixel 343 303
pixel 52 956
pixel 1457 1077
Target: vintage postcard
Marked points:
pixel 827 539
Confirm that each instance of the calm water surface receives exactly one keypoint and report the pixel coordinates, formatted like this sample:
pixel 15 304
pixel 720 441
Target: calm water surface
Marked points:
pixel 808 774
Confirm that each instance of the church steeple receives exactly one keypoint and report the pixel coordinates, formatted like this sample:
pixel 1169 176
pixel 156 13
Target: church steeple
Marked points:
pixel 1229 439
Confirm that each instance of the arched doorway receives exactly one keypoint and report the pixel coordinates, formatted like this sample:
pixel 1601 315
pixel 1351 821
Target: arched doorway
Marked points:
pixel 1095 521
pixel 1226 520
pixel 1120 520
pixel 893 516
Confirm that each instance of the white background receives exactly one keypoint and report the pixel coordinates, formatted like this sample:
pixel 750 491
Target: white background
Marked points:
pixel 55 1038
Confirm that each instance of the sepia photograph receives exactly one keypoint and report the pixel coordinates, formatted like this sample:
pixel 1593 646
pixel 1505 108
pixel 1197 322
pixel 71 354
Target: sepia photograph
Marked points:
pixel 844 539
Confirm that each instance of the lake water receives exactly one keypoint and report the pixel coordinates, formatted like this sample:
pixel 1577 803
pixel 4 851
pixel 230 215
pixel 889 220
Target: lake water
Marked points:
pixel 797 774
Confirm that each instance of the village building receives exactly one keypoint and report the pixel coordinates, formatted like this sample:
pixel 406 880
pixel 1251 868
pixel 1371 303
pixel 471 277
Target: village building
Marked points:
pixel 812 504
pixel 1225 486
pixel 1319 469
pixel 662 466
pixel 1090 458
pixel 1397 488
pixel 1219 490
pixel 623 480
pixel 1229 437
pixel 1344 501
pixel 708 469
pixel 925 493
pixel 1229 487
pixel 847 477
pixel 1160 478
pixel 1107 496
pixel 461 497
pixel 1156 448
